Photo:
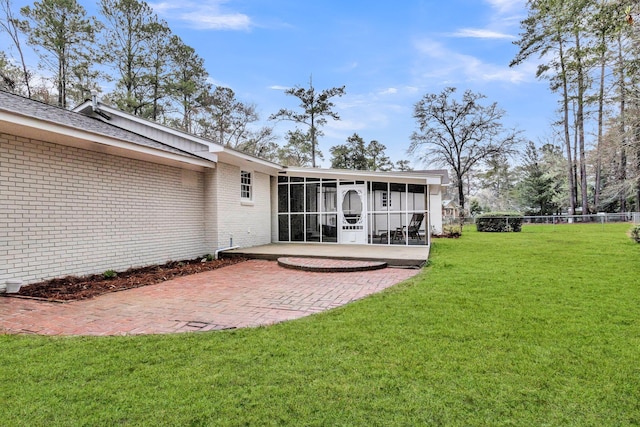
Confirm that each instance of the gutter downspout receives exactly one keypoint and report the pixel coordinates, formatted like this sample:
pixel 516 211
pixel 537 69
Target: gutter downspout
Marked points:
pixel 215 254
pixel 231 246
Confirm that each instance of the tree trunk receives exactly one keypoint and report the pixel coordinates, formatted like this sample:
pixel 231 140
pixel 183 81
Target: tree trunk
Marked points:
pixel 313 141
pixel 598 172
pixel 622 175
pixel 461 197
pixel 567 137
pixel 580 127
pixel 637 171
pixel 636 147
pixel 61 79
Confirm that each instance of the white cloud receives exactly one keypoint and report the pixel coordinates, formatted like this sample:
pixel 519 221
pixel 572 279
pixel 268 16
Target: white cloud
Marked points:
pixel 205 15
pixel 506 6
pixel 389 91
pixel 446 64
pixel 278 87
pixel 368 114
pixel 348 67
pixel 505 15
pixel 482 34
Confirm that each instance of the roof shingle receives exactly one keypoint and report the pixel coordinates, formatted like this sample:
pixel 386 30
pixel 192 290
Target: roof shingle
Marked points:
pixel 39 110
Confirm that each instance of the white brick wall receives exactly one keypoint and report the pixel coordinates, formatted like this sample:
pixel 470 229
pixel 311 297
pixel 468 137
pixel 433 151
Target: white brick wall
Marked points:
pixel 435 212
pixel 248 223
pixel 211 209
pixel 66 211
pixel 274 210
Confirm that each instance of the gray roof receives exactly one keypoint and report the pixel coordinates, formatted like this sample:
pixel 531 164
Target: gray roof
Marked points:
pixel 49 113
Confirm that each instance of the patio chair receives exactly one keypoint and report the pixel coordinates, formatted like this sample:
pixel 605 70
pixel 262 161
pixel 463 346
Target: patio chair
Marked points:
pixel 412 230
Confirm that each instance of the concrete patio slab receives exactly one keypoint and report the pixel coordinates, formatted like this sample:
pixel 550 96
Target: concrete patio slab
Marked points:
pixel 248 294
pixel 393 255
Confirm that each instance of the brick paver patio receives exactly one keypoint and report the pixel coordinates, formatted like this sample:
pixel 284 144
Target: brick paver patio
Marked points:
pixel 247 294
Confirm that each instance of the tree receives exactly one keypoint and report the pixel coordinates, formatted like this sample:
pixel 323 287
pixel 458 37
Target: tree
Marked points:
pixel 297 151
pixel 217 122
pixel 553 164
pixel 260 143
pixel 589 52
pixel 536 189
pixel 10 75
pixel 316 107
pixel 620 176
pixel 378 160
pixel 475 208
pixel 352 155
pixel 10 25
pixel 225 119
pixel 158 76
pixel 134 44
pixel 188 82
pixel 606 24
pixel 547 34
pixel 355 154
pixel 62 34
pixel 497 182
pixel 459 133
pixel 403 165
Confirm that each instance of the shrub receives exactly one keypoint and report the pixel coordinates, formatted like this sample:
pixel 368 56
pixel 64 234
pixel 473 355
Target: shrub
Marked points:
pixel 452 232
pixel 499 222
pixel 635 233
pixel 109 274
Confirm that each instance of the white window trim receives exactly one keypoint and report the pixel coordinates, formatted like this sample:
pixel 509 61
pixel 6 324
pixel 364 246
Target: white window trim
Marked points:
pixel 246 186
pixel 384 195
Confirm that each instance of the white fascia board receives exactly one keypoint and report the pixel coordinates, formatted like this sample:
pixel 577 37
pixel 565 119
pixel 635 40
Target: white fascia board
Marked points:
pixel 391 176
pixel 238 158
pixel 37 129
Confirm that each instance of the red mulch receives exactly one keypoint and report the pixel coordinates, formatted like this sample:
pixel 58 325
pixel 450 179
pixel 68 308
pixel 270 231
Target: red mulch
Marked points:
pixel 77 288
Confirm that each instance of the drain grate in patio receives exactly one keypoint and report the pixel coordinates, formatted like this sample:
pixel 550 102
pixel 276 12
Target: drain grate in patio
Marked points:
pixel 327 265
pixel 197 325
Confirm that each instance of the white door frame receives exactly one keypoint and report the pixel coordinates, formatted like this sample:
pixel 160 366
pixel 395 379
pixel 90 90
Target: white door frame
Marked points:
pixel 352 232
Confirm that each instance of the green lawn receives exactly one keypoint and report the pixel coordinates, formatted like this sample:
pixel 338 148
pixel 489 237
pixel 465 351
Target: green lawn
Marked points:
pixel 534 328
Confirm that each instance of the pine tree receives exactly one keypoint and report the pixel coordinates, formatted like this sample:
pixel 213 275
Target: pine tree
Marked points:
pixel 62 34
pixel 316 107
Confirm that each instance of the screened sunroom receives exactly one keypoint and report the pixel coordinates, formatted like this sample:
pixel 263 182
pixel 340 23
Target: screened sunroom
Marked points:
pixel 356 207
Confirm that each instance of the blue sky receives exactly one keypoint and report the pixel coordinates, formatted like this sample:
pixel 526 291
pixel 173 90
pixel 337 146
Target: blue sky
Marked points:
pixel 388 55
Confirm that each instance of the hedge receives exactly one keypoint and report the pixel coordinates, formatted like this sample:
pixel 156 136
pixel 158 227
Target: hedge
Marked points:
pixel 499 222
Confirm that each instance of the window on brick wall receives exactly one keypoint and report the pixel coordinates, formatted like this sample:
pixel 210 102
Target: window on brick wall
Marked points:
pixel 245 185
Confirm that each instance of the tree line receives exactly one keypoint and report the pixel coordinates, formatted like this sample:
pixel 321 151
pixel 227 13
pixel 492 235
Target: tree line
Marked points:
pixel 589 52
pixel 154 75
pixel 590 55
pixel 152 72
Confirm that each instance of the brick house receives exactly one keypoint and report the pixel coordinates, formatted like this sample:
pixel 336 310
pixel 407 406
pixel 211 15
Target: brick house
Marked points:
pixel 95 188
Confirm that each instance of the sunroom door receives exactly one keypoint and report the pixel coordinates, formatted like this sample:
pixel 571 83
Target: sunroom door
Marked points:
pixel 353 214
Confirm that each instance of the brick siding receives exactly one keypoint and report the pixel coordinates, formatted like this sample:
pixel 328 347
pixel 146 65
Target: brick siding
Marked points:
pixel 249 224
pixel 65 210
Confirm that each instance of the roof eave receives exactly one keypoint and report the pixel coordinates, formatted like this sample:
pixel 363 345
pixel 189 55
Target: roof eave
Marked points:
pixel 42 130
pixel 431 179
pixel 87 109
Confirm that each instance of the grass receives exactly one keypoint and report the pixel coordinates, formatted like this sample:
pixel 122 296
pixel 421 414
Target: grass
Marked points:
pixel 534 328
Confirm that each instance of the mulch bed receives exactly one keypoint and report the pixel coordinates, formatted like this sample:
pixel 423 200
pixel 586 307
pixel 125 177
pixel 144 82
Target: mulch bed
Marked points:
pixel 73 288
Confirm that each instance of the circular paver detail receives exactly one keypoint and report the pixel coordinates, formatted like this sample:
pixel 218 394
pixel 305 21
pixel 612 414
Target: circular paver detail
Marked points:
pixel 326 265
